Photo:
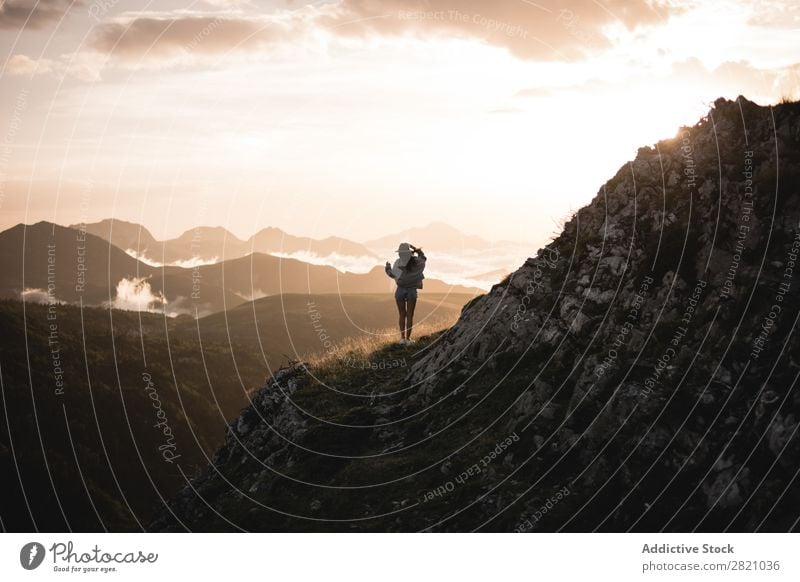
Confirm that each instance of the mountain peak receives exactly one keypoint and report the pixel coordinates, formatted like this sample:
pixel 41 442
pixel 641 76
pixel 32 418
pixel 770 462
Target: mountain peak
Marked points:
pixel 438 234
pixel 662 216
pixel 216 233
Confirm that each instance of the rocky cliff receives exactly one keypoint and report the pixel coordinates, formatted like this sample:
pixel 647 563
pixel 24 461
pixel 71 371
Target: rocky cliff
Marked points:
pixel 638 373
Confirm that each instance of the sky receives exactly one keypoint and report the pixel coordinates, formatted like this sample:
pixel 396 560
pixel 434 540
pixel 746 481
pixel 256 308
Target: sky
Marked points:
pixel 359 118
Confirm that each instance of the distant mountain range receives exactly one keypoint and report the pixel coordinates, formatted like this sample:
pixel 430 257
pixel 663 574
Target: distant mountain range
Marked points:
pixel 74 266
pixel 440 236
pixel 214 244
pixel 435 235
pixel 456 257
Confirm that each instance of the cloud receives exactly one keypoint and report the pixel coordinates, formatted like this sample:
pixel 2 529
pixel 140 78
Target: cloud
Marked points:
pixel 24 65
pixel 544 29
pixel 740 77
pixel 179 35
pixel 506 111
pixel 83 66
pixel 254 296
pixel 541 91
pixel 549 29
pixel 589 86
pixel 227 3
pixel 772 14
pixel 33 13
pixel 729 78
pixel 181 305
pixel 37 295
pixel 182 263
pixel 343 263
pixel 135 294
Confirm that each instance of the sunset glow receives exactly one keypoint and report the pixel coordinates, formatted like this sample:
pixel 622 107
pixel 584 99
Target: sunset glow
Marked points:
pixel 329 119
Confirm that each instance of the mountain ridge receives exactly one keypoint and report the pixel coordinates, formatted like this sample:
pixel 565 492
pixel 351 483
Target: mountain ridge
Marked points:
pixel 436 234
pixel 79 266
pixel 620 380
pixel 214 243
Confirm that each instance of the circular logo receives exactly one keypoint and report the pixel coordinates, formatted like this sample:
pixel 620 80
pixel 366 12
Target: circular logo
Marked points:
pixel 31 555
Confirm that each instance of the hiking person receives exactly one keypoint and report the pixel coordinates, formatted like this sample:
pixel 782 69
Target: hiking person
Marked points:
pixel 407 273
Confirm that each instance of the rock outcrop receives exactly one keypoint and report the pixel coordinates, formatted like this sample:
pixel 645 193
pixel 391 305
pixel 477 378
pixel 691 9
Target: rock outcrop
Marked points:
pixel 638 373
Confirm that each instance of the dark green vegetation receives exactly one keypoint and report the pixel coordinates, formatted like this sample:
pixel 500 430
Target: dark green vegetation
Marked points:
pixel 89 458
pixel 86 449
pixel 372 455
pixel 293 324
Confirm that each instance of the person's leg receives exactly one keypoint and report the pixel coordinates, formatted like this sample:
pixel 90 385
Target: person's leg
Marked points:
pixel 412 303
pixel 401 309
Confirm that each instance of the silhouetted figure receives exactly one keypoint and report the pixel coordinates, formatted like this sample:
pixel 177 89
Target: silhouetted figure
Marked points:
pixel 407 273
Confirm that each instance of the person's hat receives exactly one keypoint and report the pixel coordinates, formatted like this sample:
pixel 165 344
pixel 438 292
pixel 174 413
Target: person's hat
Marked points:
pixel 404 250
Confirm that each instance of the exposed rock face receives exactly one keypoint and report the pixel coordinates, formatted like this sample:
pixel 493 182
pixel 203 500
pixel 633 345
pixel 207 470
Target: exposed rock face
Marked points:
pixel 680 213
pixel 641 370
pixel 266 425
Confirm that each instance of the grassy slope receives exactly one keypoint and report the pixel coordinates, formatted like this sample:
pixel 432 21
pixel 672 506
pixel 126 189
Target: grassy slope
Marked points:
pixel 200 392
pixel 292 324
pixel 341 393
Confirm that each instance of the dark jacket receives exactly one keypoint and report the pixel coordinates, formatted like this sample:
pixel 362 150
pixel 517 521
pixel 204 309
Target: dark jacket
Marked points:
pixel 410 275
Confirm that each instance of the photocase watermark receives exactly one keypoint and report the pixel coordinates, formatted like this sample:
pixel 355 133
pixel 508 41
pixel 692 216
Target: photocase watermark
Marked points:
pixel 204 33
pixel 195 247
pixel 316 322
pixel 95 560
pixel 53 341
pixel 99 8
pixel 549 260
pixel 332 349
pixel 624 331
pixel 769 321
pixel 474 469
pixel 572 24
pixel 169 447
pixel 743 227
pixel 456 16
pixel 31 555
pixel 66 559
pixel 529 523
pixel 6 149
pixel 365 364
pixel 668 356
pixel 689 169
pixel 80 238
